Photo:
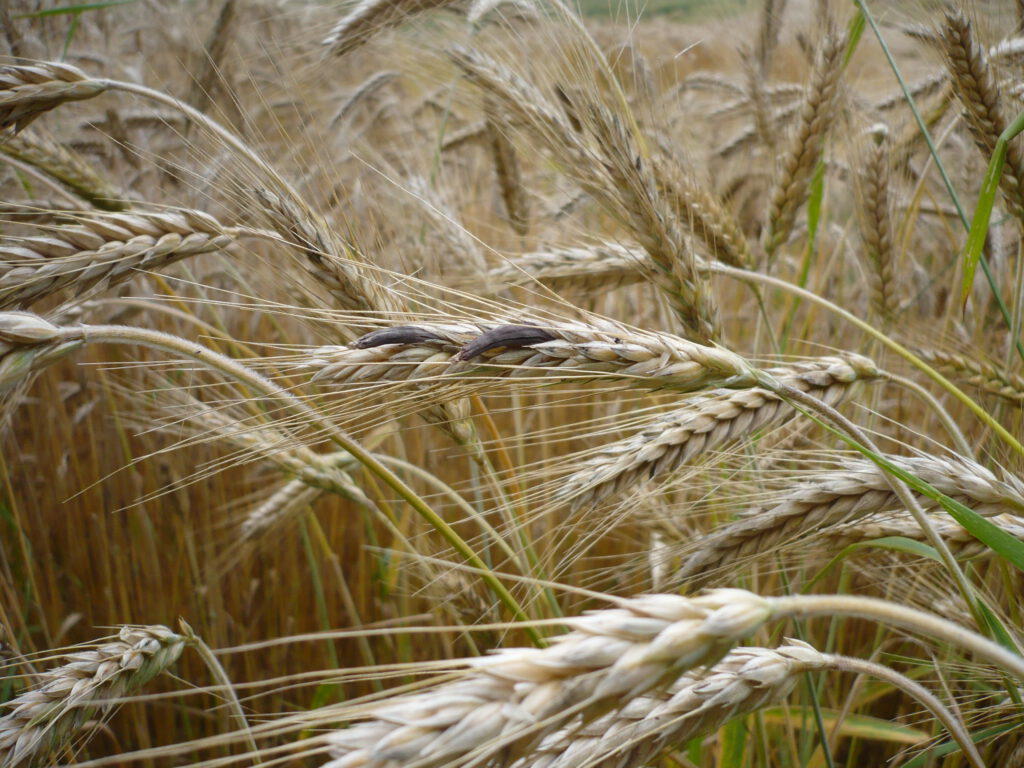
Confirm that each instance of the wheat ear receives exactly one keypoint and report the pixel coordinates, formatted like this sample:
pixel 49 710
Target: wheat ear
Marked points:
pixel 791 187
pixel 370 17
pixel 977 373
pixel 589 268
pixel 885 525
pixel 209 74
pixel 363 91
pixel 860 488
pixel 702 701
pixel 506 704
pixel 564 350
pixel 699 702
pixel 27 91
pixel 976 88
pixel 702 424
pixel 329 260
pixel 68 695
pixel 877 229
pixel 636 186
pixel 103 250
pixel 705 216
pixel 38 149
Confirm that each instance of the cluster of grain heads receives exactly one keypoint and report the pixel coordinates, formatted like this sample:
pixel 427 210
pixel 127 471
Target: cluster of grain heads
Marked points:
pixel 704 423
pixel 860 488
pixel 27 91
pixel 46 716
pixel 530 706
pixel 633 192
pixel 102 250
pixel 605 158
pixel 507 703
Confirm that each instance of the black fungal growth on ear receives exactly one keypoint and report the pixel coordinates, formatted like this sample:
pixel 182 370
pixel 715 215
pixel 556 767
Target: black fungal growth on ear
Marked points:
pixel 401 334
pixel 505 337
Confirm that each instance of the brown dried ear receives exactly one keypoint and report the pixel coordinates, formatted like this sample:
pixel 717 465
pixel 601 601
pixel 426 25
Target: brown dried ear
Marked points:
pixel 505 337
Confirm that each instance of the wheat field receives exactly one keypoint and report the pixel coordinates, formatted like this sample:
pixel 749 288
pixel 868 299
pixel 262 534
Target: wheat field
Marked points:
pixel 511 383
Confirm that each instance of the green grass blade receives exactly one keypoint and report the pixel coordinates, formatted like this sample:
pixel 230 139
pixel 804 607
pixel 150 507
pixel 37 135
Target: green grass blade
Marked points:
pixel 75 9
pixel 986 200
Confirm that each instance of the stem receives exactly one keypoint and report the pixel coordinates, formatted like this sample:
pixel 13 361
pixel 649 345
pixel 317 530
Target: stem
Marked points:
pixel 898 615
pixel 461 503
pixel 947 421
pixel 899 349
pixel 902 491
pixel 917 691
pixel 217 670
pixel 165 342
